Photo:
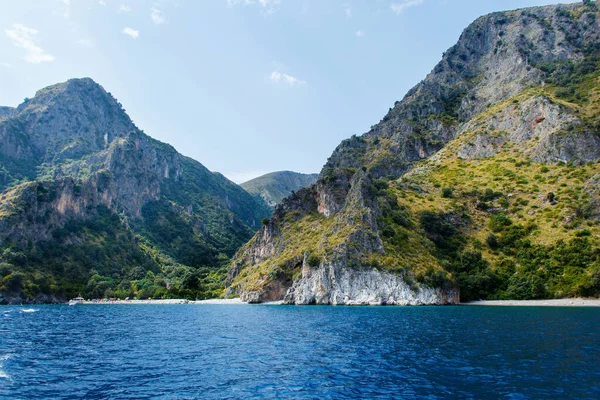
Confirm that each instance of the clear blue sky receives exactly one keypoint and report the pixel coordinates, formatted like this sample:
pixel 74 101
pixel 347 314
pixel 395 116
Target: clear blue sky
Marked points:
pixel 243 86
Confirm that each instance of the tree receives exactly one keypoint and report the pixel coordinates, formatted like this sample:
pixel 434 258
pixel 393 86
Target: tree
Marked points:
pixel 265 221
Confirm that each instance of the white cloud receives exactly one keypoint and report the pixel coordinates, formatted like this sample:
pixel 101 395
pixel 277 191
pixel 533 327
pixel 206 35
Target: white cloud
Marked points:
pixel 280 77
pixel 5 65
pixel 158 17
pixel 131 32
pixel 102 2
pixel 124 8
pixel 398 8
pixel 360 33
pixel 24 38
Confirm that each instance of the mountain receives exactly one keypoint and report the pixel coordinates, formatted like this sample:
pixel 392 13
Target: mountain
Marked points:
pixel 91 204
pixel 481 183
pixel 274 187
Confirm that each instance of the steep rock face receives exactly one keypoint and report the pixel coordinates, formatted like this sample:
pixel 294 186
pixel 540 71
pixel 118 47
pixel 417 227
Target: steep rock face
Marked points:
pixel 133 170
pixel 537 124
pixel 269 240
pixel 65 121
pixel 35 209
pixel 72 119
pixel 495 58
pixel 479 90
pixel 337 284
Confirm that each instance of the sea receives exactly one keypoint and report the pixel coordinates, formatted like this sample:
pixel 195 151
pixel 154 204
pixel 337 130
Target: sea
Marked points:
pixel 296 352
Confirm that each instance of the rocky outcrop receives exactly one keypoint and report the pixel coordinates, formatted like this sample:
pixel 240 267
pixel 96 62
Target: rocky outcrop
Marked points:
pixel 19 300
pixel 543 130
pixel 592 188
pixel 32 211
pixel 72 119
pixel 337 284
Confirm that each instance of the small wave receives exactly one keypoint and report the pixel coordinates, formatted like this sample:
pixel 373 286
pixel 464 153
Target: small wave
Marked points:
pixel 30 310
pixel 3 374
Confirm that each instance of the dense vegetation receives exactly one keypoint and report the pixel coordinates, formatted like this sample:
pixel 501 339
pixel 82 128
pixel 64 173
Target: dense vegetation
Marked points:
pixel 81 214
pixel 506 227
pixel 98 259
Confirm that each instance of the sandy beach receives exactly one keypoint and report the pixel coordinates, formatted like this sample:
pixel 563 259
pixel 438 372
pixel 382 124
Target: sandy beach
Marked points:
pixel 221 301
pixel 158 301
pixel 538 303
pixel 236 301
pixel 166 301
pixel 579 302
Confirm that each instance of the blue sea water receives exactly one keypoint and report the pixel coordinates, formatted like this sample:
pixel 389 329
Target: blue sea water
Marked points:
pixel 239 352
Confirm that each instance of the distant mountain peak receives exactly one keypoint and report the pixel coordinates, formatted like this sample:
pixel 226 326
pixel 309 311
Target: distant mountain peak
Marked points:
pixel 273 187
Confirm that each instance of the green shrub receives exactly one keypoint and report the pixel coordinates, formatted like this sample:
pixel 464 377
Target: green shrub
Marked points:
pixel 388 232
pixel 498 222
pixel 475 279
pixel 401 218
pixel 314 260
pixel 447 193
pixel 492 241
pixel 490 195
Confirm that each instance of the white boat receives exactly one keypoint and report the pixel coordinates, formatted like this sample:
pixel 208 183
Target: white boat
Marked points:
pixel 76 300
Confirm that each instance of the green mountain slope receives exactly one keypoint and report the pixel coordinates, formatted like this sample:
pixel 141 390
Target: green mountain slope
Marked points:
pixel 272 188
pixel 93 205
pixel 482 180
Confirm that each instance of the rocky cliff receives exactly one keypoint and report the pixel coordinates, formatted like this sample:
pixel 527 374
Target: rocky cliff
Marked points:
pixel 78 174
pixel 460 185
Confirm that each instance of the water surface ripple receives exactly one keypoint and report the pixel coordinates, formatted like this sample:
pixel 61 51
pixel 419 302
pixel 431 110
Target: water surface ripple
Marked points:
pixel 239 352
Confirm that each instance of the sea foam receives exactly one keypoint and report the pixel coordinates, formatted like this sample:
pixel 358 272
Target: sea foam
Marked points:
pixel 3 374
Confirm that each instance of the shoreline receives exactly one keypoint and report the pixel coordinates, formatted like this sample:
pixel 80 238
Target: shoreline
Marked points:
pixel 578 302
pixel 575 302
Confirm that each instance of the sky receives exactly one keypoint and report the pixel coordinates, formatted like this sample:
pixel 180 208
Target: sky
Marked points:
pixel 246 87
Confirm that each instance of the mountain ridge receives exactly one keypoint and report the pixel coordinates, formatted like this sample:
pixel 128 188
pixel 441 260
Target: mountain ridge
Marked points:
pixel 364 235
pixel 273 187
pixel 72 162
